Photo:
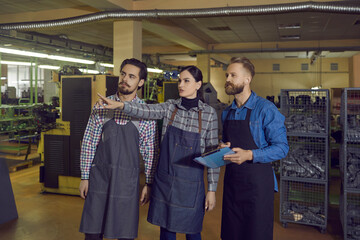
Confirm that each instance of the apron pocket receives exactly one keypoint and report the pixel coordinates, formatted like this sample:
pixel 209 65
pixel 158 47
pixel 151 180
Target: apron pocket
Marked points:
pixel 184 193
pixel 124 182
pixel 98 179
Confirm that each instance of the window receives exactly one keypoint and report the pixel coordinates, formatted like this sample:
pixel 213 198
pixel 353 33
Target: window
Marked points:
pixel 276 67
pixel 333 66
pixel 304 66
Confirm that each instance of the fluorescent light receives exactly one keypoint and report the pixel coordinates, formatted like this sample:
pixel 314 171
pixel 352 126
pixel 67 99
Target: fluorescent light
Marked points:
pixel 289 26
pixel 88 71
pixel 69 59
pixel 43 55
pixel 109 65
pixel 17 63
pixel 23 53
pixel 289 37
pixel 155 70
pixel 316 87
pixel 49 67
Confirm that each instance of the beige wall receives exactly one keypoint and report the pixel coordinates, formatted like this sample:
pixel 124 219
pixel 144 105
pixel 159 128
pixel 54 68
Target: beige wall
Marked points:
pixel 269 83
pixel 217 79
pixel 355 71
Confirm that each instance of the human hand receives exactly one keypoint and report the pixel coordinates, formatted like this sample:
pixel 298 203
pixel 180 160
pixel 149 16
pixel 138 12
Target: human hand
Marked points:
pixel 239 156
pixel 210 201
pixel 83 188
pixel 222 145
pixel 145 195
pixel 110 104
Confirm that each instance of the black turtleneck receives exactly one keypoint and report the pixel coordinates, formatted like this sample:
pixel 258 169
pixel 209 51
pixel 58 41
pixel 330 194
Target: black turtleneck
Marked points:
pixel 189 103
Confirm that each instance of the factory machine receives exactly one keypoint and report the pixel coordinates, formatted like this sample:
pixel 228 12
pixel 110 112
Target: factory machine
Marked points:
pixel 60 147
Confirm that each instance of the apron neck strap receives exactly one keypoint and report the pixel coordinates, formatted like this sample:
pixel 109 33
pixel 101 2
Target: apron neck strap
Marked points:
pixel 248 113
pixel 173 116
pixel 200 122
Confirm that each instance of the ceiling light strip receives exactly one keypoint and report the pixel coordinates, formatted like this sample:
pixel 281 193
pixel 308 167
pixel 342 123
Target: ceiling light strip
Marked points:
pixel 42 55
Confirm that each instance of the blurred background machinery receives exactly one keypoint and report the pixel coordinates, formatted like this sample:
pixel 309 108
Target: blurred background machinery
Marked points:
pixel 60 147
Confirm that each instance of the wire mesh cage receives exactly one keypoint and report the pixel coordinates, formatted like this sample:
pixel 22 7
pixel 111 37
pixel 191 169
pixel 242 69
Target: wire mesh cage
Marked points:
pixel 350 214
pixel 307 158
pixel 304 202
pixel 351 166
pixel 350 114
pixel 350 162
pixel 306 111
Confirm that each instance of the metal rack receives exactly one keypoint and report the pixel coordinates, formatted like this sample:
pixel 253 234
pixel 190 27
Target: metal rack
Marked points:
pixel 350 163
pixel 17 123
pixel 304 171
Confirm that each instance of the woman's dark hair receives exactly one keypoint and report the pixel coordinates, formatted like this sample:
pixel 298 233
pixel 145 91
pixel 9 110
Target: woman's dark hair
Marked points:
pixel 197 74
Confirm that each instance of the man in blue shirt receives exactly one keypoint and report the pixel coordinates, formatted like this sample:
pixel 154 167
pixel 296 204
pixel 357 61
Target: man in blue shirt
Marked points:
pixel 254 129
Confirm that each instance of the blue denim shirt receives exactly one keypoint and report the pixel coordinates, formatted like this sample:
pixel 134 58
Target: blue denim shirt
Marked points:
pixel 266 126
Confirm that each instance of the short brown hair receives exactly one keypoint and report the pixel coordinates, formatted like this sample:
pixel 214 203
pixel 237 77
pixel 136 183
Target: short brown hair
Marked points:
pixel 246 63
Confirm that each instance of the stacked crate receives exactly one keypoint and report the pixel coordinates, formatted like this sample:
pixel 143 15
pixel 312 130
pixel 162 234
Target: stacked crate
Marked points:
pixel 304 171
pixel 350 163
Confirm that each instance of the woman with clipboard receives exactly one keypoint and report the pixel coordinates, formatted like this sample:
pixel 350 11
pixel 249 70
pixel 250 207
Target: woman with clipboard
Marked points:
pixel 190 128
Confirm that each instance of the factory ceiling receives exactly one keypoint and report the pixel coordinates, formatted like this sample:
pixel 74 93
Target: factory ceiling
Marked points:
pixel 274 34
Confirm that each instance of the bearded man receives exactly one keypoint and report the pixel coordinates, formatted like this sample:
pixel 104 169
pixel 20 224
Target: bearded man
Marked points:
pixel 109 162
pixel 254 129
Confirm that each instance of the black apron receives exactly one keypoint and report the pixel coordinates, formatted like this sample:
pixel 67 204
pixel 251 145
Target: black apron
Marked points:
pixel 178 196
pixel 112 204
pixel 248 199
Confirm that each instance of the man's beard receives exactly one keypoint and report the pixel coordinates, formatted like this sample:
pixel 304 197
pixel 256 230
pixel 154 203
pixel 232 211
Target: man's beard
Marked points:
pixel 124 91
pixel 231 89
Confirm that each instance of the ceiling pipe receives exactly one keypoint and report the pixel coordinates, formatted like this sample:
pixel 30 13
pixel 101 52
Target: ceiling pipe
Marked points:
pixel 342 7
pixel 268 50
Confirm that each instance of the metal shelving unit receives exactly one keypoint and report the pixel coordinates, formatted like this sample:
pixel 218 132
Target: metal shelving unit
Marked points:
pixel 17 123
pixel 304 172
pixel 350 163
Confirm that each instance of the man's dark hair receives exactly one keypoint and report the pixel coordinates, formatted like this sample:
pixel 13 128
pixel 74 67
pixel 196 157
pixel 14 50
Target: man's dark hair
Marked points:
pixel 246 63
pixel 136 63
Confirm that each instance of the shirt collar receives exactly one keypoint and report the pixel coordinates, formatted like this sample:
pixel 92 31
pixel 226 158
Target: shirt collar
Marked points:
pixel 201 105
pixel 250 103
pixel 135 99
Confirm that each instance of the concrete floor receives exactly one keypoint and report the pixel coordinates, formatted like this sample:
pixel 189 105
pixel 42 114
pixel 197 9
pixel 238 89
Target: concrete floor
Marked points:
pixel 55 217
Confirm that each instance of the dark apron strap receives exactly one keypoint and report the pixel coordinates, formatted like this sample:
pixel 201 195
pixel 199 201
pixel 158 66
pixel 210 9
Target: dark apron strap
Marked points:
pixel 200 121
pixel 173 116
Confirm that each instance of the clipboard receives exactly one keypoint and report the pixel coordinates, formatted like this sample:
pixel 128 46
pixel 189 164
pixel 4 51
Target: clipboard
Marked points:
pixel 214 158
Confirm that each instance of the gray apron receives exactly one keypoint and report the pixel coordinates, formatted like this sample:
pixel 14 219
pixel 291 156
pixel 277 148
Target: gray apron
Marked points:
pixel 178 195
pixel 112 204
